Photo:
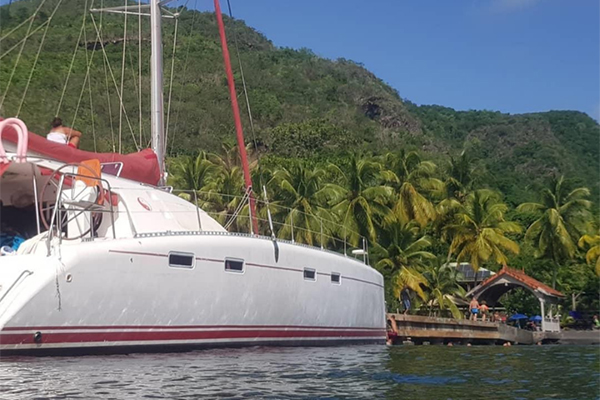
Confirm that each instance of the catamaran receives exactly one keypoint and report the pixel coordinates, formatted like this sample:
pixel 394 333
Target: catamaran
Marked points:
pixel 114 261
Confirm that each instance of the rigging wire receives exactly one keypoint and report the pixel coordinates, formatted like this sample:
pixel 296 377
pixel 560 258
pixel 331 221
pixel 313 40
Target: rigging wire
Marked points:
pixel 12 74
pixel 140 66
pixel 62 96
pixel 119 94
pixel 17 27
pixel 171 81
pixel 87 79
pixel 37 56
pixel 237 50
pixel 123 76
pixel 90 88
pixel 24 39
pixel 110 117
pixel 185 66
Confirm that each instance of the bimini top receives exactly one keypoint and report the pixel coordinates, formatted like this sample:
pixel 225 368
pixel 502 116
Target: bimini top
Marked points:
pixel 141 166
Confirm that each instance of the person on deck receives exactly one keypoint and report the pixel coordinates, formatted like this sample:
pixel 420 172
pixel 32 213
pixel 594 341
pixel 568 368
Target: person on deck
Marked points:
pixel 405 297
pixel 484 310
pixel 474 307
pixel 63 135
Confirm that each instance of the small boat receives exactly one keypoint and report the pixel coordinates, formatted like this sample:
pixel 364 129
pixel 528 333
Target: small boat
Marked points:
pixel 114 262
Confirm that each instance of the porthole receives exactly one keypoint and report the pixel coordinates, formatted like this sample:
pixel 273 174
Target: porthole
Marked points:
pixel 181 260
pixel 310 274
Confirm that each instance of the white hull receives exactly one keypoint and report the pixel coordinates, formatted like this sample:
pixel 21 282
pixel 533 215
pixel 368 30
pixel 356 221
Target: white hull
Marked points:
pixel 113 295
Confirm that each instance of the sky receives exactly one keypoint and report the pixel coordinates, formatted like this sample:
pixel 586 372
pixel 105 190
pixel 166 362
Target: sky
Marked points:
pixel 514 56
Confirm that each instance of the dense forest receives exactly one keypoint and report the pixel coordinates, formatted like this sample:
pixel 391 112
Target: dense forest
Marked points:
pixel 425 184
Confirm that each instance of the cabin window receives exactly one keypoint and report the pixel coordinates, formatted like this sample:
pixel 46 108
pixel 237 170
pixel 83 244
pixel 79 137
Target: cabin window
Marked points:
pixel 310 274
pixel 181 260
pixel 336 278
pixel 234 265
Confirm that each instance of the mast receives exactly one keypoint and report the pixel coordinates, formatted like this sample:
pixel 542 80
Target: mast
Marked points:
pixel 156 87
pixel 156 71
pixel 236 116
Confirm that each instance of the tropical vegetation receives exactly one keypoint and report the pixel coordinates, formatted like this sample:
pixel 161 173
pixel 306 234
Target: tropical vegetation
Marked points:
pixel 413 235
pixel 329 141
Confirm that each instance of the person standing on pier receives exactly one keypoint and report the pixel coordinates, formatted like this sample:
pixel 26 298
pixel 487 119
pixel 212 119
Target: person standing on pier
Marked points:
pixel 484 310
pixel 474 307
pixel 405 297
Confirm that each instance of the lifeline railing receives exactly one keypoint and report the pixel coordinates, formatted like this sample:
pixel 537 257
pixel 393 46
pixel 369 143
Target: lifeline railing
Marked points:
pixel 274 221
pixel 277 221
pixel 57 222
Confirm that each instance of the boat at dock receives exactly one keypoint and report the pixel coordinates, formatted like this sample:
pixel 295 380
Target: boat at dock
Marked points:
pixel 114 261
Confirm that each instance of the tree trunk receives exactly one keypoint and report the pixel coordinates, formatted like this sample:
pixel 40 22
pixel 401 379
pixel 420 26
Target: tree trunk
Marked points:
pixel 554 275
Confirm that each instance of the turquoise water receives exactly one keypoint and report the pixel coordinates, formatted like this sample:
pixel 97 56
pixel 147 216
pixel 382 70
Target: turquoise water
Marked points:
pixel 358 372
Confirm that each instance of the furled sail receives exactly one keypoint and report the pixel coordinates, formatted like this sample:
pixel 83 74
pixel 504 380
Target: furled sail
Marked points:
pixel 141 166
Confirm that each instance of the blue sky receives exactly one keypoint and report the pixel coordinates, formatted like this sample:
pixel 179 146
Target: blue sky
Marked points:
pixel 510 55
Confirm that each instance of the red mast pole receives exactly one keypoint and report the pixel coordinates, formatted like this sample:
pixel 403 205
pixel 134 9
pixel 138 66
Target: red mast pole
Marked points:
pixel 236 115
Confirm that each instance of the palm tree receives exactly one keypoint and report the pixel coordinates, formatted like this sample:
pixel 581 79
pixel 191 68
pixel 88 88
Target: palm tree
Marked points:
pixel 443 288
pixel 364 199
pixel 562 219
pixel 401 254
pixel 457 184
pixel 412 177
pixel 593 254
pixel 479 230
pixel 194 173
pixel 302 203
pixel 459 177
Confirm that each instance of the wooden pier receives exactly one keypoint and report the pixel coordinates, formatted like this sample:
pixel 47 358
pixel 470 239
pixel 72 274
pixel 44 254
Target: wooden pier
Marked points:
pixel 415 329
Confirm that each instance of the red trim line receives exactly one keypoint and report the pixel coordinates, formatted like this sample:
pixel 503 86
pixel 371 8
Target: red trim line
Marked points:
pixel 247 263
pixel 274 267
pixel 360 280
pixel 209 259
pixel 86 337
pixel 138 253
pixel 147 327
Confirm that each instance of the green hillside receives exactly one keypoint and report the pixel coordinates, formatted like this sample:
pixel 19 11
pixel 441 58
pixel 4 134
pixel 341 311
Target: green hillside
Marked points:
pixel 303 105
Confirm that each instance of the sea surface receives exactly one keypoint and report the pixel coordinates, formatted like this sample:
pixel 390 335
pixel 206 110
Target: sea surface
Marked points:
pixel 356 372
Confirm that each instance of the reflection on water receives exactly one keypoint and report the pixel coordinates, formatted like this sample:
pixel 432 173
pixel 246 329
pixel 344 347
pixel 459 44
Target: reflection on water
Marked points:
pixel 358 372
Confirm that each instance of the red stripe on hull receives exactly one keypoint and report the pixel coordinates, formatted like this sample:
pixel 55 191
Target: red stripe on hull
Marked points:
pixel 250 264
pixel 94 337
pixel 185 327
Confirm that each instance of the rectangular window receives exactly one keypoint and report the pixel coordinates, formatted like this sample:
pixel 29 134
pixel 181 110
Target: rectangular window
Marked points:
pixel 336 278
pixel 310 274
pixel 234 265
pixel 181 260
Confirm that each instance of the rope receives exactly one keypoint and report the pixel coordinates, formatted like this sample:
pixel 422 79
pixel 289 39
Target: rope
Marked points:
pixel 110 118
pixel 62 96
pixel 237 50
pixel 37 56
pixel 22 41
pixel 16 28
pixel 171 81
pixel 12 74
pixel 238 209
pixel 140 66
pixel 114 82
pixel 185 66
pixel 88 61
pixel 123 77
pixel 92 115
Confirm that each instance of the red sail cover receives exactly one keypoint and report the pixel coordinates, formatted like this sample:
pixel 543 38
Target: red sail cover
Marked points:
pixel 141 166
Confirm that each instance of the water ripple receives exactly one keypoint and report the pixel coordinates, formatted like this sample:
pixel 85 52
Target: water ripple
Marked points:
pixel 361 372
